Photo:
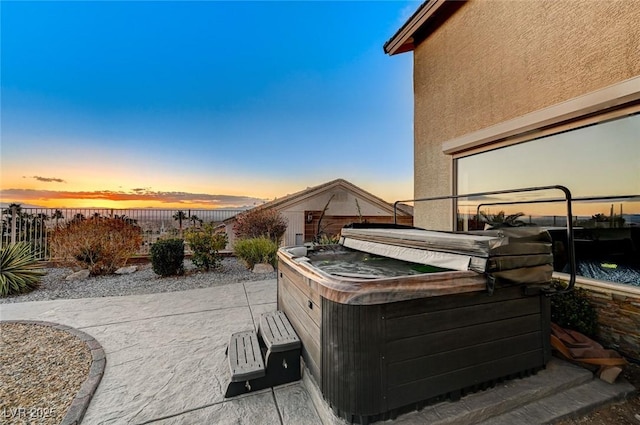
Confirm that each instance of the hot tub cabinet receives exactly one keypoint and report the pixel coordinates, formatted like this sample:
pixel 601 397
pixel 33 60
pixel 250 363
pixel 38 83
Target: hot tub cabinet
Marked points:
pixel 378 347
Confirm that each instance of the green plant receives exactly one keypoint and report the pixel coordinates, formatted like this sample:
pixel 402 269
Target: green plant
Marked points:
pixel 573 310
pixel 19 270
pixel 167 257
pixel 205 244
pixel 325 239
pixel 256 250
pixel 259 222
pixel 101 244
pixel 501 219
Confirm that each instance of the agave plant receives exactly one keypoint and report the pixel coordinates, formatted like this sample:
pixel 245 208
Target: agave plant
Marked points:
pixel 19 270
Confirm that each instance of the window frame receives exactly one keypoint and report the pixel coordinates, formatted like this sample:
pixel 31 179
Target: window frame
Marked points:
pixel 613 102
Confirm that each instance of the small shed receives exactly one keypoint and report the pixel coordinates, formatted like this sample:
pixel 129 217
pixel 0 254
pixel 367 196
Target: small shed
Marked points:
pixel 344 202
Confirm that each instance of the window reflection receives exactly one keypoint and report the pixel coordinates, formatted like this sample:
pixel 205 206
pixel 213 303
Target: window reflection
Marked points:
pixel 600 164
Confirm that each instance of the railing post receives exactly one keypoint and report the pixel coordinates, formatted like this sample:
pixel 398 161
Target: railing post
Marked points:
pixel 14 223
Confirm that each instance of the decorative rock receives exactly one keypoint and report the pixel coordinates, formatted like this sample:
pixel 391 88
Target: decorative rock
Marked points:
pixel 609 374
pixel 263 268
pixel 81 275
pixel 127 270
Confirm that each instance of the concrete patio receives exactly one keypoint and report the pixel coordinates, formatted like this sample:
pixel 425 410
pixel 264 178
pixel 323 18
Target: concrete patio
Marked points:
pixel 166 364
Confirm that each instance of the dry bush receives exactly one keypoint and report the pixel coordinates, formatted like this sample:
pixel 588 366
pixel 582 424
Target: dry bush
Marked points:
pixel 101 244
pixel 260 222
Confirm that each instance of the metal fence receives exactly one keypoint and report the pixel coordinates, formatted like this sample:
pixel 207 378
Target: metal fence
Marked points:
pixel 33 225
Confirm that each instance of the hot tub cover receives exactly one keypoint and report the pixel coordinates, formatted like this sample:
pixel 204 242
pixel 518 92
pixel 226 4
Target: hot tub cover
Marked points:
pixel 514 255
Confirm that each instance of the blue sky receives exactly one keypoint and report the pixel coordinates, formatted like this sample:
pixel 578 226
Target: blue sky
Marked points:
pixel 231 102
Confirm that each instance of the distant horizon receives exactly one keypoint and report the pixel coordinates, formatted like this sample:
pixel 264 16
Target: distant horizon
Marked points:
pixel 5 205
pixel 489 210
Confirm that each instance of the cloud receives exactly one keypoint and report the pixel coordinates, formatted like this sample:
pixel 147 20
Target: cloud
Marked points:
pixel 137 194
pixel 46 179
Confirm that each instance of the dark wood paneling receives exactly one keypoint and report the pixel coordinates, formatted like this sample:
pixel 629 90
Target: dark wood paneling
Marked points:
pixel 463 358
pixel 457 317
pixel 440 385
pixel 333 224
pixel 432 304
pixel 352 358
pixel 437 342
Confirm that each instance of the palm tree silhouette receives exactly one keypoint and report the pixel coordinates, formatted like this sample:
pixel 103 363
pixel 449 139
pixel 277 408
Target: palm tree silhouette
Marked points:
pixel 194 219
pixel 179 216
pixel 56 216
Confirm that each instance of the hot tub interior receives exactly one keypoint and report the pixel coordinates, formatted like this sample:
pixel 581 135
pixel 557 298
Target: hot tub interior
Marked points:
pixel 340 261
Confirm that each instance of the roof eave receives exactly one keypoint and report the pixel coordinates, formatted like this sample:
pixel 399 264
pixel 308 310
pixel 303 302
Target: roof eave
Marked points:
pixel 404 39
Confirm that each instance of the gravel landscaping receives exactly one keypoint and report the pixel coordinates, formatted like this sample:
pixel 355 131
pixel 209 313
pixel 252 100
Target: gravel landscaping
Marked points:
pixel 144 281
pixel 41 370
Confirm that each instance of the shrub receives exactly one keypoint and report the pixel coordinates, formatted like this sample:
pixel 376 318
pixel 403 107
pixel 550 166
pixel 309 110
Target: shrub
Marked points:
pixel 167 257
pixel 256 250
pixel 205 244
pixel 325 239
pixel 100 244
pixel 261 222
pixel 573 310
pixel 19 270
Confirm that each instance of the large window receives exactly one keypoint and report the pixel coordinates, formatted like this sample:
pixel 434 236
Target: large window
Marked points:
pixel 599 163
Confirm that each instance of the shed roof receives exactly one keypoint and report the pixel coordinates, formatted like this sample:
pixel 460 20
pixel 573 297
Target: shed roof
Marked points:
pixel 294 198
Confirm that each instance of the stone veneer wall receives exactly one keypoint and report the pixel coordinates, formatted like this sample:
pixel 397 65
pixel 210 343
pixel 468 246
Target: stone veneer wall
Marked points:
pixel 618 316
pixel 496 60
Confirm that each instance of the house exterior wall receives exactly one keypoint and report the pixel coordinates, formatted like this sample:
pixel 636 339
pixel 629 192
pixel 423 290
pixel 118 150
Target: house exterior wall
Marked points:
pixel 492 61
pixel 343 205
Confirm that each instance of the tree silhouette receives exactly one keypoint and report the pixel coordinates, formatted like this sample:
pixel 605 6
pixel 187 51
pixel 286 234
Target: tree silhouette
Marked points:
pixel 179 216
pixel 56 216
pixel 126 219
pixel 501 219
pixel 195 220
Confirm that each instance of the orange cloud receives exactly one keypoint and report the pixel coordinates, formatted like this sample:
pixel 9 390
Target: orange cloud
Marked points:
pixel 142 196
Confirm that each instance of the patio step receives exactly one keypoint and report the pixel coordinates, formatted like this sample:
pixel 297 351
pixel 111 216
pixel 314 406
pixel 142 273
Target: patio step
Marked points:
pixel 561 390
pixel 570 403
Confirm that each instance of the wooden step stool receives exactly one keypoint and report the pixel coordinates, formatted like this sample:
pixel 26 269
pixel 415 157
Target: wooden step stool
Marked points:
pixel 282 347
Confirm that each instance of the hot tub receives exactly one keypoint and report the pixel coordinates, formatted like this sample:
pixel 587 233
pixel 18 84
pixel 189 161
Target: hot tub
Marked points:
pixel 380 345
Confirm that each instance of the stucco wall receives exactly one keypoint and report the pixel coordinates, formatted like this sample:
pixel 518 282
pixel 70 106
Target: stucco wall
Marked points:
pixel 495 60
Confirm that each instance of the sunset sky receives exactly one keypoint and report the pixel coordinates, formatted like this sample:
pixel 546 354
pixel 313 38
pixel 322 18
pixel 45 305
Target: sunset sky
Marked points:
pixel 201 104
